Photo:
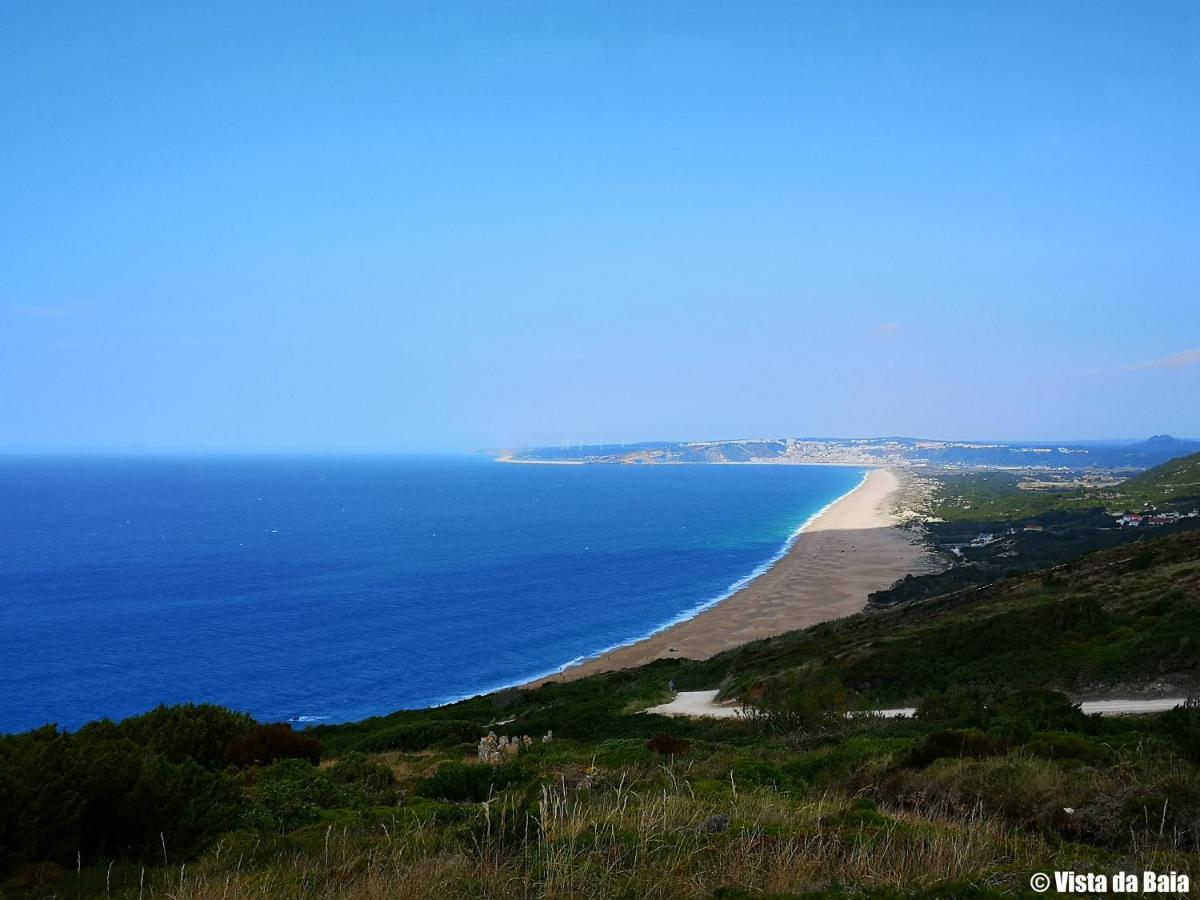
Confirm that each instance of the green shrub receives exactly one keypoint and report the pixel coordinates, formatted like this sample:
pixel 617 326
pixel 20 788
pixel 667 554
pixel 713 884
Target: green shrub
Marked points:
pixel 1025 791
pixel 98 793
pixel 1054 745
pixel 508 825
pixel 956 743
pixel 756 774
pixel 470 782
pixel 1142 561
pixel 848 762
pixel 1183 725
pixel 291 793
pixel 373 782
pixel 263 744
pixel 419 736
pixel 201 732
pixel 620 752
pixel 956 707
pixel 797 702
pixel 1019 715
pixel 1161 810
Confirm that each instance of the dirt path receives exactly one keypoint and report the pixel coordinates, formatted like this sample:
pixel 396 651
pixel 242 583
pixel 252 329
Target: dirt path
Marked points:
pixel 703 704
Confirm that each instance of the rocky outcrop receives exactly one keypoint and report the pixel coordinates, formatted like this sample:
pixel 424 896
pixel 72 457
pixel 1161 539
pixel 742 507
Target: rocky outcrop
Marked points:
pixel 495 750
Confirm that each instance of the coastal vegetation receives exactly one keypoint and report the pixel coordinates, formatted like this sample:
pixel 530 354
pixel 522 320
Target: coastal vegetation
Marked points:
pixel 987 527
pixel 999 775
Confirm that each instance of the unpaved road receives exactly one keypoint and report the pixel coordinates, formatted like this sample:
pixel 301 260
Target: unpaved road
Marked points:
pixel 703 704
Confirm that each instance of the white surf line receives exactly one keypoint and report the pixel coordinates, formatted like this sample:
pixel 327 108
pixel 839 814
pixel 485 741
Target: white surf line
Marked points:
pixel 688 614
pixel 703 704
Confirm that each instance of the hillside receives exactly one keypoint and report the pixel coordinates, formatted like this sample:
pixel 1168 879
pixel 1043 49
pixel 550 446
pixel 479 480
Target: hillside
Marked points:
pixel 1174 484
pixel 998 778
pixel 987 527
pixel 1125 619
pixel 999 496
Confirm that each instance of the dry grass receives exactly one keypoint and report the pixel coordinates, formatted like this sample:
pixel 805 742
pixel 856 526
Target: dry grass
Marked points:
pixel 624 842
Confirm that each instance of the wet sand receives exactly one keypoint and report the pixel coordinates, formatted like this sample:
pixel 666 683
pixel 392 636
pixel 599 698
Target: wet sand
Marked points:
pixel 840 558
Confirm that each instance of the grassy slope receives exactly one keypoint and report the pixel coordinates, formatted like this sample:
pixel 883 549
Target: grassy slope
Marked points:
pixel 1174 484
pixel 1130 614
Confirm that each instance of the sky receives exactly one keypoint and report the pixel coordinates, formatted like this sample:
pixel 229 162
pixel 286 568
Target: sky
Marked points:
pixel 416 227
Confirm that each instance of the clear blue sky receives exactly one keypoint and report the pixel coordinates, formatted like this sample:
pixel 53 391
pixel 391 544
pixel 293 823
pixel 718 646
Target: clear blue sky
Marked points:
pixel 412 227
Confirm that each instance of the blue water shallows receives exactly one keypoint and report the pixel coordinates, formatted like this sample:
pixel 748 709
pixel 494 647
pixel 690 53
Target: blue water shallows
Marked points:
pixel 334 589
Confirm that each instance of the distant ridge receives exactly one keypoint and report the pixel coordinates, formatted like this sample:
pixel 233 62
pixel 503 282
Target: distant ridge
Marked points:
pixel 891 451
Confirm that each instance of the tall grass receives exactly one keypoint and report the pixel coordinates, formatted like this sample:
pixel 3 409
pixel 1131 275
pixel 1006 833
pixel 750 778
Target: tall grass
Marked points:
pixel 620 841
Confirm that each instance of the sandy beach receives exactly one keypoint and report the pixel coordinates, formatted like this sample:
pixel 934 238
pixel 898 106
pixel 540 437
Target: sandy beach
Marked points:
pixel 841 557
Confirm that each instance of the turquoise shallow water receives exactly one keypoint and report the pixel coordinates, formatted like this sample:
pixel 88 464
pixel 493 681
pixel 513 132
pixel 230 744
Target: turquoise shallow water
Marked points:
pixel 333 589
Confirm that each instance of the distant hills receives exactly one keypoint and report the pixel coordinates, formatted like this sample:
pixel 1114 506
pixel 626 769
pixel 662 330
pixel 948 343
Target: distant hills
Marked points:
pixel 902 451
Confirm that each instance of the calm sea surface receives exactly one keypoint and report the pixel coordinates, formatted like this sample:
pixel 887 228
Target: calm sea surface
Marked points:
pixel 333 589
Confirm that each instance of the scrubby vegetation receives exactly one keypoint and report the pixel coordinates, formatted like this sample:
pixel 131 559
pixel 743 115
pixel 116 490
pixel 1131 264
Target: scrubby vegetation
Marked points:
pixel 966 800
pixel 999 775
pixel 1026 531
pixel 994 496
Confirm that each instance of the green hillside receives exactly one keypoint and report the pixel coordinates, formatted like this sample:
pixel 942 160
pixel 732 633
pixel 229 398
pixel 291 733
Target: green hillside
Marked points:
pixel 987 528
pixel 996 496
pixel 1124 616
pixel 1174 484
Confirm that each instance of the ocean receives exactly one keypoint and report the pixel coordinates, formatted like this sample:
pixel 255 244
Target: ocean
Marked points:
pixel 331 589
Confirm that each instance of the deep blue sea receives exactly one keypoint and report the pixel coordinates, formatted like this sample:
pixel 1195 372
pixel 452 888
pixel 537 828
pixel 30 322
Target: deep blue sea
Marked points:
pixel 334 589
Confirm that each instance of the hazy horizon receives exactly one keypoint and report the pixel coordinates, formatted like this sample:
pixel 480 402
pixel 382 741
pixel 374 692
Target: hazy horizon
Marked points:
pixel 486 451
pixel 451 227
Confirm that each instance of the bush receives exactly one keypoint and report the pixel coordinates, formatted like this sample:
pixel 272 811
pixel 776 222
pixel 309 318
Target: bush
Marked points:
pixel 1025 791
pixel 1148 811
pixel 419 736
pixel 1021 714
pixel 201 732
pixel 512 823
pixel 803 702
pixel 666 745
pixel 291 793
pixel 1183 724
pixel 98 793
pixel 620 752
pixel 1140 562
pixel 470 782
pixel 955 743
pixel 372 781
pixel 1065 746
pixel 264 744
pixel 757 774
pixel 956 707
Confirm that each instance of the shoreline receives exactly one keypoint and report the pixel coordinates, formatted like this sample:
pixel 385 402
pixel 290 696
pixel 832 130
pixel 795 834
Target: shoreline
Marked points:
pixel 825 570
